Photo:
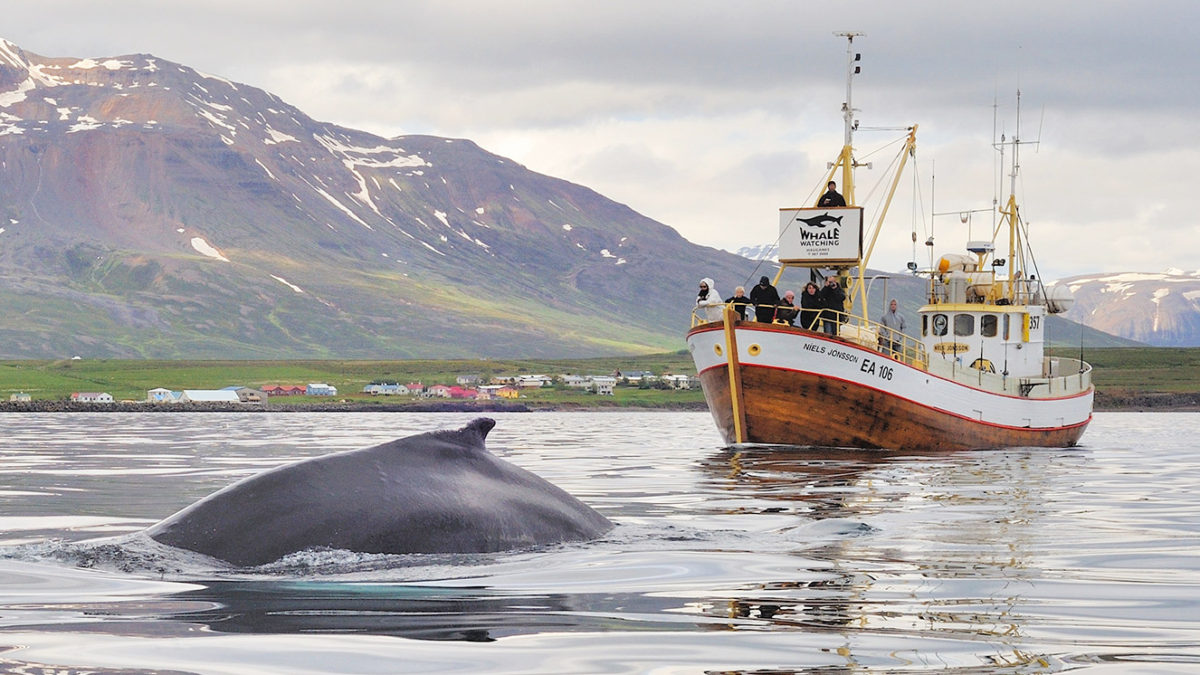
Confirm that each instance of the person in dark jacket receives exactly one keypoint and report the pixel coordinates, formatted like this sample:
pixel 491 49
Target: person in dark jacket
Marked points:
pixel 833 300
pixel 786 311
pixel 739 301
pixel 810 307
pixel 831 197
pixel 764 297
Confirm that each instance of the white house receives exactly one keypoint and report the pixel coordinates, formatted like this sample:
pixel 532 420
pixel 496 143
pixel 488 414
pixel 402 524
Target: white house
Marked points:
pixel 678 381
pixel 576 381
pixel 21 396
pixel 320 389
pixel 603 385
pixel 162 395
pixel 386 389
pixel 92 397
pixel 533 381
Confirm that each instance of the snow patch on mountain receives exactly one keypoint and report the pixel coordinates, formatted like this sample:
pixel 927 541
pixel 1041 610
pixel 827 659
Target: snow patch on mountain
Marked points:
pixel 204 248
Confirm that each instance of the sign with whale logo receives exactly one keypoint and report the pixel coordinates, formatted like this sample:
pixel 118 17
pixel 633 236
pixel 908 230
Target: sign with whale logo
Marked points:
pixel 821 236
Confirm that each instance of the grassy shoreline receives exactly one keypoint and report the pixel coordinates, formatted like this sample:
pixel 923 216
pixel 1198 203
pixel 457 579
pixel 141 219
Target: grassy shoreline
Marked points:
pixel 1125 379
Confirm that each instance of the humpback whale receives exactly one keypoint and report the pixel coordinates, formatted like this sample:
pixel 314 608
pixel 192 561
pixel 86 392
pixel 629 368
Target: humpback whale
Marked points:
pixel 436 492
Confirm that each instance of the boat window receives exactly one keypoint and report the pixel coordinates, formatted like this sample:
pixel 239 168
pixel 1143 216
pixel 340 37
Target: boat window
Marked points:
pixel 987 325
pixel 964 324
pixel 940 322
pixel 924 324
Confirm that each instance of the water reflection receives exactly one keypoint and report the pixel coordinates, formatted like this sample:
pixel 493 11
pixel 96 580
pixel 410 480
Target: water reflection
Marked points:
pixel 940 544
pixel 475 614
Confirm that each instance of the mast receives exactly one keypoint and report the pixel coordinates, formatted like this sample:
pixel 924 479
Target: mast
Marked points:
pixel 846 158
pixel 1010 212
pixel 845 165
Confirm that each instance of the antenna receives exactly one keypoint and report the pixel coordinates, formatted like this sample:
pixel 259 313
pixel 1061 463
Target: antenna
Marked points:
pixel 852 69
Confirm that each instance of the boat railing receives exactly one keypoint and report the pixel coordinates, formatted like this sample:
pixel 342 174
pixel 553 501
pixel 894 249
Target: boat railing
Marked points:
pixel 1059 377
pixel 874 335
pixel 850 327
pixel 1068 374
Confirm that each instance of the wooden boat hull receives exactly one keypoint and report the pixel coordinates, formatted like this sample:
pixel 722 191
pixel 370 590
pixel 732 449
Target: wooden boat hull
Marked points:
pixel 803 388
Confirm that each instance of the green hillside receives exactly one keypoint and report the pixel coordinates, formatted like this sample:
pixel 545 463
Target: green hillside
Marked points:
pixel 1124 377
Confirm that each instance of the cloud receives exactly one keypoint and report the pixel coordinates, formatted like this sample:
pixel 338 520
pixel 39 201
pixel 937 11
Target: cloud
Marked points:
pixel 709 117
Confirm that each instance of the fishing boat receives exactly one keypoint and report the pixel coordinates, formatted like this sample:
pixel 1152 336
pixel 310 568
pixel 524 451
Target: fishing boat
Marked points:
pixel 975 373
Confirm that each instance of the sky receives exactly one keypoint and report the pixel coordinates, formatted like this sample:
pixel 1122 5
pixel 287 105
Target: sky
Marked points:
pixel 711 116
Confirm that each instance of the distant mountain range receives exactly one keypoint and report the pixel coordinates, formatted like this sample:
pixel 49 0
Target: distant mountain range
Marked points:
pixel 1158 309
pixel 148 210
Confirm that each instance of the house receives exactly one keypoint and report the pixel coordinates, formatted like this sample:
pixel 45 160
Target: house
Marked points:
pixel 415 388
pixel 576 381
pixel 491 391
pixel 603 385
pixel 462 392
pixel 678 381
pixel 247 395
pixel 92 397
pixel 209 396
pixel 507 391
pixel 636 376
pixel 283 390
pixel 163 395
pixel 386 389
pixel 465 380
pixel 320 389
pixel 438 391
pixel 533 381
pixel 20 396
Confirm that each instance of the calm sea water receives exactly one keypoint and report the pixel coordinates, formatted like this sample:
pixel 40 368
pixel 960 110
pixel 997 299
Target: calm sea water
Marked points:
pixel 765 560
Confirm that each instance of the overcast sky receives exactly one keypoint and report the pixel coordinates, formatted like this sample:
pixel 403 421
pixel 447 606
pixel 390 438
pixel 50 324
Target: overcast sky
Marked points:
pixel 710 116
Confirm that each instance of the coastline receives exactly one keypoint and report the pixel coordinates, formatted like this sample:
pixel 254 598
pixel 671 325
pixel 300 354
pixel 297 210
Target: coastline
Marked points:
pixel 331 407
pixel 1149 402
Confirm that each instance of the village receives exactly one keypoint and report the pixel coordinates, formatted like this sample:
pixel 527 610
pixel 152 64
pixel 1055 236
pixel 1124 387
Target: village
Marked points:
pixel 469 387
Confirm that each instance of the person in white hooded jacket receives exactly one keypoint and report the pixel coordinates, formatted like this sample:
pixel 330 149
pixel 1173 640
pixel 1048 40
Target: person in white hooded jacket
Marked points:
pixel 710 300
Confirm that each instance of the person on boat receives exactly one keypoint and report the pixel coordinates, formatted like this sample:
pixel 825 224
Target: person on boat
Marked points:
pixel 764 297
pixel 893 325
pixel 831 197
pixel 739 301
pixel 710 300
pixel 786 311
pixel 833 302
pixel 810 307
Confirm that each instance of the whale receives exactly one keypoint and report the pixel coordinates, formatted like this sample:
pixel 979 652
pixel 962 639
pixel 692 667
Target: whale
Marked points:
pixel 436 492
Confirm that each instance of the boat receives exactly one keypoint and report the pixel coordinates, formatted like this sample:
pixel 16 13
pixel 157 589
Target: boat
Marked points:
pixel 975 373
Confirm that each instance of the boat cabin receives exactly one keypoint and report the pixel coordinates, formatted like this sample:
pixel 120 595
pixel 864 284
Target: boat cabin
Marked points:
pixel 977 321
pixel 1002 339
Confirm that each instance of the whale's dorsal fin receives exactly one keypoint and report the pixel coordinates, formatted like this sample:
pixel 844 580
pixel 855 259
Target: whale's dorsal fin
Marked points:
pixel 480 426
pixel 472 435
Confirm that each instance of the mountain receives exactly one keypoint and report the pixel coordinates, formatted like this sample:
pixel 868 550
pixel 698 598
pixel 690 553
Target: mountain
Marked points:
pixel 148 210
pixel 760 252
pixel 1158 309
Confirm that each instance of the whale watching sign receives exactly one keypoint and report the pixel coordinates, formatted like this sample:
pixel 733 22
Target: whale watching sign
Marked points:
pixel 821 236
